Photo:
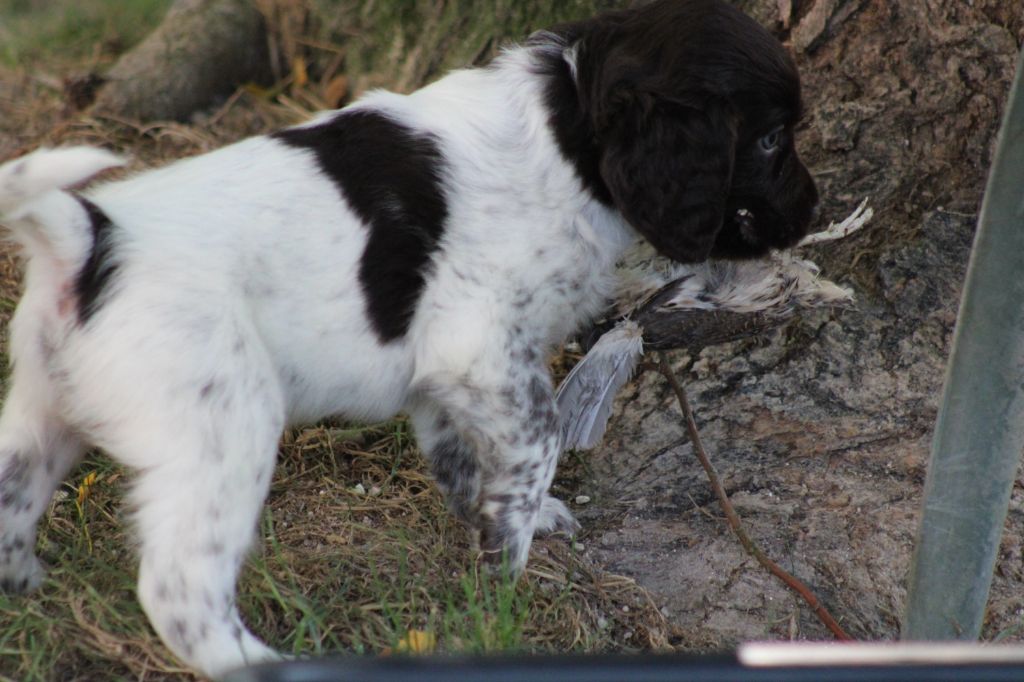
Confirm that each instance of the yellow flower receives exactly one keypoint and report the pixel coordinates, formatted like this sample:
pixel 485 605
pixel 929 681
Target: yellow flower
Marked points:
pixel 415 642
pixel 85 487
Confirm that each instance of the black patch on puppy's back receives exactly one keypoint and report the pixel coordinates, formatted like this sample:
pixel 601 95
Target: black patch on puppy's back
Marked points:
pixel 391 177
pixel 93 278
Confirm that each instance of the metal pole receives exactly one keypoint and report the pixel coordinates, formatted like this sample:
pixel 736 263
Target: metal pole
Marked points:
pixel 980 430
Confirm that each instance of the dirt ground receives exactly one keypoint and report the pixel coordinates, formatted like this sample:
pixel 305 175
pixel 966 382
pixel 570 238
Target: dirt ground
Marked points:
pixel 821 431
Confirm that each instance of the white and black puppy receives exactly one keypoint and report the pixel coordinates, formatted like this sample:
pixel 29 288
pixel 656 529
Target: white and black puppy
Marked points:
pixel 416 253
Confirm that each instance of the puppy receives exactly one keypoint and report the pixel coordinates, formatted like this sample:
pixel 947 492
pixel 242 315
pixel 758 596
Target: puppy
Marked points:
pixel 414 253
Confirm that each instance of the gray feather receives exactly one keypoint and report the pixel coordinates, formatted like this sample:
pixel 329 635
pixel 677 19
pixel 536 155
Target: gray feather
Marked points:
pixel 586 395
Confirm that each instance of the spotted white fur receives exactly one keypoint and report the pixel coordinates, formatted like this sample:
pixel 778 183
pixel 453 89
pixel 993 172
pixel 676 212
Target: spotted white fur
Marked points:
pixel 229 319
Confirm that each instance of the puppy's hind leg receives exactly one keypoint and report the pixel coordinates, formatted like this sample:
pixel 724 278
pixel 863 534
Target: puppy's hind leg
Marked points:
pixel 36 453
pixel 37 450
pixel 204 438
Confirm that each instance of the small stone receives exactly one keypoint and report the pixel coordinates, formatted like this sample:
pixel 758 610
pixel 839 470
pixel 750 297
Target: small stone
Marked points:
pixel 375 491
pixel 582 499
pixel 359 489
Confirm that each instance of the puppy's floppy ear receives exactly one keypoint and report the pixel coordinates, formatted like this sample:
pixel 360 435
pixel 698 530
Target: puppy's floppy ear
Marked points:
pixel 668 167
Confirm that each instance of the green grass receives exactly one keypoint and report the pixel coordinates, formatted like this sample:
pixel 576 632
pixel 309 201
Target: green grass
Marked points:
pixel 335 571
pixel 32 31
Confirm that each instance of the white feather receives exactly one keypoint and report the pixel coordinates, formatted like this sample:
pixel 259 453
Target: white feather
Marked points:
pixel 853 222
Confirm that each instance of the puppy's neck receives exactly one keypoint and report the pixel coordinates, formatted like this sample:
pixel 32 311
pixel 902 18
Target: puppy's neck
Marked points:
pixel 556 61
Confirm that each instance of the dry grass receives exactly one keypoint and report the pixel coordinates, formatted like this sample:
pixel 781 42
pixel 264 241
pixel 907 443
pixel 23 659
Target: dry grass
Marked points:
pixel 357 550
pixel 356 547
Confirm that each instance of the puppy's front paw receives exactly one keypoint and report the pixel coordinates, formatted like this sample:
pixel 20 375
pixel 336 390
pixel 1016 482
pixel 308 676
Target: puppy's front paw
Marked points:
pixel 555 517
pixel 505 547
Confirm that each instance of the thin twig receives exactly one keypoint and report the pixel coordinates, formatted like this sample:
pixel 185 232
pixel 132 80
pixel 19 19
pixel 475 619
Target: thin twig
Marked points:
pixel 732 518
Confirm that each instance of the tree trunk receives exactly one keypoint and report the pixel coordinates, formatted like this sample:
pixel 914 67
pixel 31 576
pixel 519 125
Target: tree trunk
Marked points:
pixel 202 50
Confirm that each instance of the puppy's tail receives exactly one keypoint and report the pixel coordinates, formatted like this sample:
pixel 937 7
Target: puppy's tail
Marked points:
pixel 39 214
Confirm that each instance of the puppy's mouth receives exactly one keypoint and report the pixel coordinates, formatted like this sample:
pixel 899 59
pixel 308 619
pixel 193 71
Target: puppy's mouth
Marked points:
pixel 752 228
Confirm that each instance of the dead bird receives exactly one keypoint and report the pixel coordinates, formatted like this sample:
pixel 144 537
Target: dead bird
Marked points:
pixel 662 304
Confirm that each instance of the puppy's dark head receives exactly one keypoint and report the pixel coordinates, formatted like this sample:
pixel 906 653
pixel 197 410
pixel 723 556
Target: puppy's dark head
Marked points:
pixel 692 107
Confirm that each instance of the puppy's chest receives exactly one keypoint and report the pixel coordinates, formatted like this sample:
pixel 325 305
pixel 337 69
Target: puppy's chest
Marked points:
pixel 556 296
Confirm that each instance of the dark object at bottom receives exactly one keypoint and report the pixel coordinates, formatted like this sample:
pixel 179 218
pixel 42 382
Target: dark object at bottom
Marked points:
pixel 647 668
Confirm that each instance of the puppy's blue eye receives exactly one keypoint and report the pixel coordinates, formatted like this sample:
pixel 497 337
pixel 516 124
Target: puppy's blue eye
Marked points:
pixel 770 142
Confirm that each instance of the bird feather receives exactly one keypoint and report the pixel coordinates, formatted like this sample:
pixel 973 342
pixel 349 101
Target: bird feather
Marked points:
pixel 586 395
pixel 652 287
